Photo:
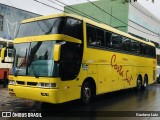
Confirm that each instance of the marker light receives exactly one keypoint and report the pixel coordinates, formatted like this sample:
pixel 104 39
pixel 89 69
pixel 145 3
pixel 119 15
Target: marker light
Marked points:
pixel 12 82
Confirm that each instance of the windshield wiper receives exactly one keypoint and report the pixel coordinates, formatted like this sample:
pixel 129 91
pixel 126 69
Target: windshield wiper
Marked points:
pixel 54 24
pixel 30 58
pixel 49 31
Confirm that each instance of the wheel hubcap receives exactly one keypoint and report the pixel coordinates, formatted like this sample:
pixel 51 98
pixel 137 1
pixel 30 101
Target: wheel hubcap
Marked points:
pixel 139 83
pixel 87 93
pixel 145 84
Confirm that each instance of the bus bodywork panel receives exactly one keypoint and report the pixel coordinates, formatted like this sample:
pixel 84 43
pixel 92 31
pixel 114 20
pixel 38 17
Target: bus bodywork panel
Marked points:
pixel 38 94
pixel 27 87
pixel 115 71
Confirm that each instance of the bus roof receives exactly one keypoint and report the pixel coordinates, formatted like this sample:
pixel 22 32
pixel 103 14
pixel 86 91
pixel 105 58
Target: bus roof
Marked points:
pixel 51 16
pixel 100 25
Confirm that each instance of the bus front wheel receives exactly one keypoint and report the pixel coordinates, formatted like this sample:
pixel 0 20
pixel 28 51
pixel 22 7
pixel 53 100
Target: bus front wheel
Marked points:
pixel 87 92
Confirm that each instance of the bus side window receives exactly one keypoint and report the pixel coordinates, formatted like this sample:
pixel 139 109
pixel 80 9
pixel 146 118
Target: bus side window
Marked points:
pixel 74 28
pixel 126 44
pixel 99 37
pixel 91 35
pixel 145 49
pixel 142 49
pixel 138 47
pixel 116 41
pixel 108 39
pixel 152 52
pixel 95 36
pixel 133 46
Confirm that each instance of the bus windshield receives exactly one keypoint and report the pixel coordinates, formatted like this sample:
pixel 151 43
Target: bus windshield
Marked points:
pixel 41 27
pixel 34 59
pixel 61 25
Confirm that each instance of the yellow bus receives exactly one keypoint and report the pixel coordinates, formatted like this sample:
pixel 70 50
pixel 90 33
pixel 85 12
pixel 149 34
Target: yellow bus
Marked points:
pixel 63 57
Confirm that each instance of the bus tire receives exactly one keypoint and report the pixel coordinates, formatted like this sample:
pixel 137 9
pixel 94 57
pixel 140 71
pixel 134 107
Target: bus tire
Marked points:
pixel 87 92
pixel 158 79
pixel 145 84
pixel 139 83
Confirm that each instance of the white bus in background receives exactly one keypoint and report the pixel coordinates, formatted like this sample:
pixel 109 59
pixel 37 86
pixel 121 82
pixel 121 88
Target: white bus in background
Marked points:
pixel 5 67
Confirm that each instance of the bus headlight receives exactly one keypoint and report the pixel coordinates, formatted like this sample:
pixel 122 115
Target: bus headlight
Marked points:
pixel 47 85
pixel 12 82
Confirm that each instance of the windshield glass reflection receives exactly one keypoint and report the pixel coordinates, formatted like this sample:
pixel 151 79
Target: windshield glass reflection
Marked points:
pixel 34 59
pixel 42 27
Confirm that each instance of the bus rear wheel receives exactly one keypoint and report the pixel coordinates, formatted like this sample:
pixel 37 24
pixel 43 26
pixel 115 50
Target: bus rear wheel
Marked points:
pixel 87 93
pixel 139 83
pixel 158 79
pixel 145 82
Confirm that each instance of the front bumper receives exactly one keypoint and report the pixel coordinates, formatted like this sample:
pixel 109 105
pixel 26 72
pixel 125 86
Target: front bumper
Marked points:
pixel 38 94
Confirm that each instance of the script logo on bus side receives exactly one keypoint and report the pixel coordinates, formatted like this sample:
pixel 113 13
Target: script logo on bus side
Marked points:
pixel 119 69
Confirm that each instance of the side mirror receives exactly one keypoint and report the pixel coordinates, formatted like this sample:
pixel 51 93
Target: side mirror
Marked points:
pixel 3 54
pixel 57 52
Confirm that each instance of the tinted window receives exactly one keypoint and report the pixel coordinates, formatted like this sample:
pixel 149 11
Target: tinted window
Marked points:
pixel 126 44
pixel 108 39
pixel 142 49
pixel 116 41
pixel 133 46
pixel 91 35
pixel 152 51
pixel 95 36
pixel 138 47
pixel 100 37
pixel 71 56
pixel 42 27
pixel 74 28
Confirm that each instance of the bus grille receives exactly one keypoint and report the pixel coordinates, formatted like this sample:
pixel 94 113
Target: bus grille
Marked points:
pixel 32 83
pixel 20 82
